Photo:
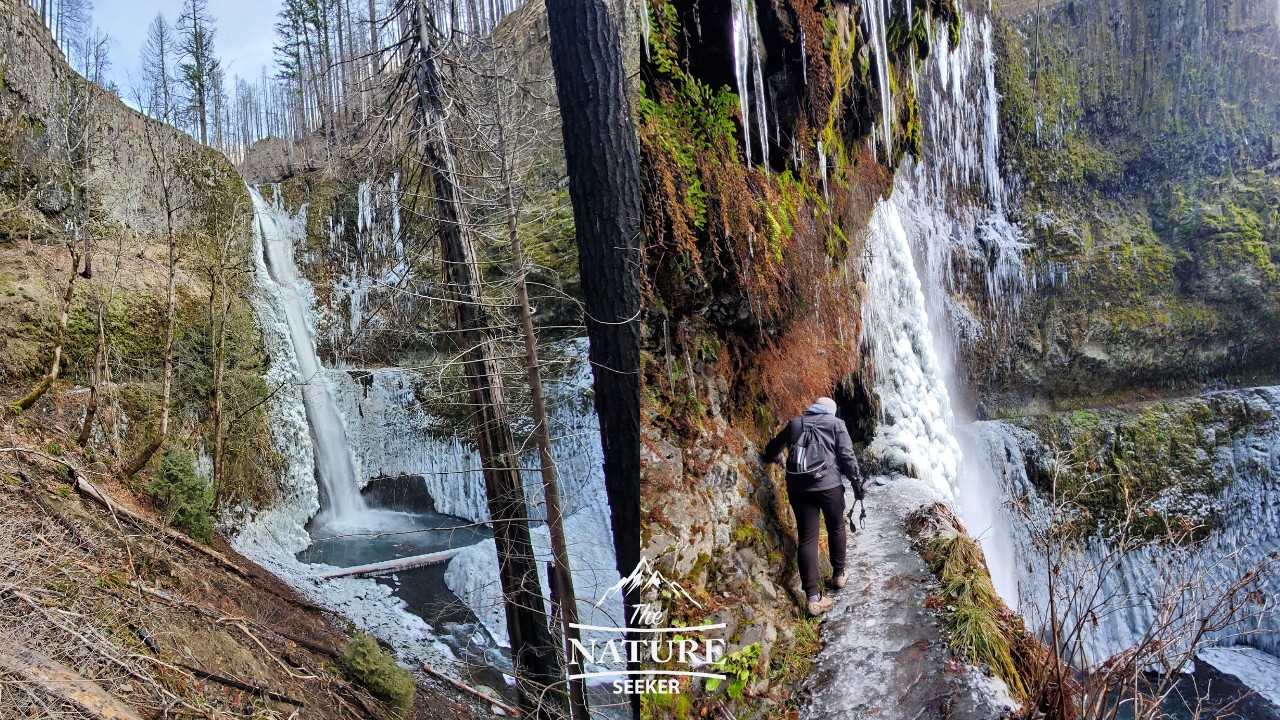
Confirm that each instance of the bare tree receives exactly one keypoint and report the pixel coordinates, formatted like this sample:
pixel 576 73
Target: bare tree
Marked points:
pixel 200 65
pixel 534 653
pixel 157 69
pixel 162 151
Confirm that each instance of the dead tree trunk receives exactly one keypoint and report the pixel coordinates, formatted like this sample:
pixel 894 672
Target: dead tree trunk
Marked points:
pixel 532 647
pixel 95 377
pixel 603 160
pixel 546 464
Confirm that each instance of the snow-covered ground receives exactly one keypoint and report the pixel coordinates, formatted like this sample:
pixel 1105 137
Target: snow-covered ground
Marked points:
pixel 1258 670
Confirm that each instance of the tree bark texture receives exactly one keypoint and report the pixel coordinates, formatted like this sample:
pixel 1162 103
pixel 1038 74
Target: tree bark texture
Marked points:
pixel 603 160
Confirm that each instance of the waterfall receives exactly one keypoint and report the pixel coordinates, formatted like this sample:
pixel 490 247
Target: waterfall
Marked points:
pixel 277 231
pixel 943 224
pixel 915 430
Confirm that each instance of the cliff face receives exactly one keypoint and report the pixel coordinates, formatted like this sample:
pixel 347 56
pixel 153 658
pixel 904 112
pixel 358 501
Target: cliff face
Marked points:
pixel 1145 139
pixel 79 169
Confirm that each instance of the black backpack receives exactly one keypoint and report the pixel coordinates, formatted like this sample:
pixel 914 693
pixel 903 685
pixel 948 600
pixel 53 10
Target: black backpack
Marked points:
pixel 807 456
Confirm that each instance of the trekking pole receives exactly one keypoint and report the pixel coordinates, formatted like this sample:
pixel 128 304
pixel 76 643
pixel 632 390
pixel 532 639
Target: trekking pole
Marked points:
pixel 862 518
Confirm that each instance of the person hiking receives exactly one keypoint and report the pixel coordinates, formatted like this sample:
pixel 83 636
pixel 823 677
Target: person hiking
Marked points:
pixel 819 450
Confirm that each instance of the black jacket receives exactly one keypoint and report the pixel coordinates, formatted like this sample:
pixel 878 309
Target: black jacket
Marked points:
pixel 837 450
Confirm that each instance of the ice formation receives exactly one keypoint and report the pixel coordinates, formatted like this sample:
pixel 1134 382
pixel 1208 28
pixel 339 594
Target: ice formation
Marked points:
pixel 748 72
pixel 914 435
pixel 387 430
pixel 1248 514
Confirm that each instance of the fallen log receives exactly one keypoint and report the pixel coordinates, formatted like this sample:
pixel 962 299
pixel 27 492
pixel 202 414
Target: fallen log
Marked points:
pixel 388 566
pixel 470 690
pixel 63 683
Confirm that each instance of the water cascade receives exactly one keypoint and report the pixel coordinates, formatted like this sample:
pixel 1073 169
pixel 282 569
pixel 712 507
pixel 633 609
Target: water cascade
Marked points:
pixel 451 616
pixel 340 501
pixel 943 225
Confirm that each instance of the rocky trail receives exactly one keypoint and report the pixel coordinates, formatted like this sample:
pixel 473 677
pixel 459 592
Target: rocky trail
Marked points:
pixel 883 653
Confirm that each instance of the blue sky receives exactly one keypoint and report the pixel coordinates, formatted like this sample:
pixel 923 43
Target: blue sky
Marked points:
pixel 246 32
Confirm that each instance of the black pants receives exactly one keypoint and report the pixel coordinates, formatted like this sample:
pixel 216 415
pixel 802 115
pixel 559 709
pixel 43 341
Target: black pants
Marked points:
pixel 808 506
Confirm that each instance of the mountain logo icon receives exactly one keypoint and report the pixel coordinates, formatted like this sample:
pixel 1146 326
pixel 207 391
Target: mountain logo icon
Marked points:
pixel 646 577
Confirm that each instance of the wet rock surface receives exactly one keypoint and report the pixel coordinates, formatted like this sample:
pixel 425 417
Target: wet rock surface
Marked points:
pixel 884 654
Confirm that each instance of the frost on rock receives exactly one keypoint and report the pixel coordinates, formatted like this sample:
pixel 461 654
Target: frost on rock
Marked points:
pixel 1247 530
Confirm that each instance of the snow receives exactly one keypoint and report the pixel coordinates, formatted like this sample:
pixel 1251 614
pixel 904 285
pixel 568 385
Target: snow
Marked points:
pixel 1258 670
pixel 879 636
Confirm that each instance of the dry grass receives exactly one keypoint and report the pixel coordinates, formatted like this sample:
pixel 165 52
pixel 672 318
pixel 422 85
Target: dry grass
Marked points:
pixel 143 619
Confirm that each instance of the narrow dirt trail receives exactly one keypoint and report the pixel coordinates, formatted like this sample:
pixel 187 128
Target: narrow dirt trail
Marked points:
pixel 883 652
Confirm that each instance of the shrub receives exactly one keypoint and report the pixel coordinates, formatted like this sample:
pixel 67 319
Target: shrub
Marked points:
pixel 366 663
pixel 185 499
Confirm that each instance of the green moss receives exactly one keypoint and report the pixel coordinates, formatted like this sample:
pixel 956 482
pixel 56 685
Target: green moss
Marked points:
pixel 366 663
pixel 1145 468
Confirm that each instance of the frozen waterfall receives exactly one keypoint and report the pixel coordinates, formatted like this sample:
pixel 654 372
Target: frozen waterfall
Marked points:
pixel 915 435
pixel 943 226
pixel 277 230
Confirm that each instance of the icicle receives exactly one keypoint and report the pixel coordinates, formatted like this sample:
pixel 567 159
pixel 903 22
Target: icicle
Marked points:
pixel 741 59
pixel 991 129
pixel 644 26
pixel 822 168
pixel 761 115
pixel 876 12
pixel 804 58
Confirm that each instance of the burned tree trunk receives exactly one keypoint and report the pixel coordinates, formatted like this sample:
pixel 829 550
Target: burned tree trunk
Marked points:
pixel 603 160
pixel 538 677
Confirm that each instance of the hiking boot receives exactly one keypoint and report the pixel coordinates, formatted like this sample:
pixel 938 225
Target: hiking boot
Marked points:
pixel 820 606
pixel 839 581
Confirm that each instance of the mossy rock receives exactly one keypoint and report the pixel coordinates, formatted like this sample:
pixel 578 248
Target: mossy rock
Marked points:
pixel 366 663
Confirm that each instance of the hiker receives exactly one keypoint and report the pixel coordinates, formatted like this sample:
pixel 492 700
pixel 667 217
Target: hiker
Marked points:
pixel 818 452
